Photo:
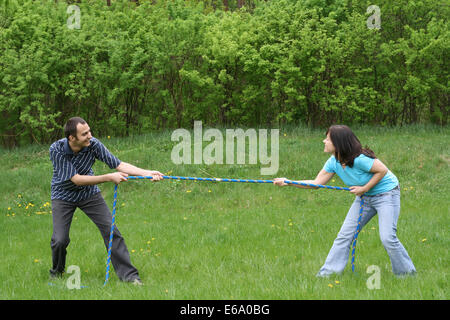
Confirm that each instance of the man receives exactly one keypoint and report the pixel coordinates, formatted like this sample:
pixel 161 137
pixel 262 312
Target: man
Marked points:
pixel 74 185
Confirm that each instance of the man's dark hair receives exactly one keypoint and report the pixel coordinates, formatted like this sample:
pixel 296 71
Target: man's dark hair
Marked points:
pixel 70 128
pixel 347 145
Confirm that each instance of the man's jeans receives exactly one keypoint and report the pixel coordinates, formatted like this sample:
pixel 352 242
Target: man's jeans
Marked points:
pixel 97 210
pixel 387 205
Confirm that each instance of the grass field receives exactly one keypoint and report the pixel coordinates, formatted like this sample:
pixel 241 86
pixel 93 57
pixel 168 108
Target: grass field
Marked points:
pixel 202 240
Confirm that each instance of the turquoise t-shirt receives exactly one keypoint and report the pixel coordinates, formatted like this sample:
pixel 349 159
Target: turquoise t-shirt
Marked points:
pixel 360 174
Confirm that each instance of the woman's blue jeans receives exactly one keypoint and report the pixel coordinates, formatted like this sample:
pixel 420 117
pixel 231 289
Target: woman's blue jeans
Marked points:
pixel 387 206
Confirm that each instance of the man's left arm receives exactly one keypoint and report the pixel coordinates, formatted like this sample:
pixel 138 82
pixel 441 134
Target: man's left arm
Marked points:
pixel 135 171
pixel 103 154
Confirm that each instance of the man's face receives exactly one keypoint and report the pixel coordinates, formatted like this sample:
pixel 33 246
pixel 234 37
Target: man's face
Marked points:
pixel 83 138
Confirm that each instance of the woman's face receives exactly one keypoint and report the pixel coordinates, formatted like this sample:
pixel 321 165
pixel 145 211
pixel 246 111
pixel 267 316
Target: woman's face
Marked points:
pixel 329 147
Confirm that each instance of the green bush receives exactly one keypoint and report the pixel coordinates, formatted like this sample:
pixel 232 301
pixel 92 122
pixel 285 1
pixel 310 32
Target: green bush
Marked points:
pixel 163 64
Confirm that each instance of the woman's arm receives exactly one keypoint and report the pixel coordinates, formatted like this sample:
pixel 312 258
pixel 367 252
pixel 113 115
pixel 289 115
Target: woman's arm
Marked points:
pixel 379 170
pixel 322 178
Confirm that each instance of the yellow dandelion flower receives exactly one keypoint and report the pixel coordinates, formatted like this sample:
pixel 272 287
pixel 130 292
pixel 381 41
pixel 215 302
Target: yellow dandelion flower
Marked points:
pixel 337 282
pixel 109 137
pixel 188 191
pixel 148 242
pixel 36 260
pixel 424 239
pixel 9 208
pixel 285 134
pixel 330 285
pixel 133 251
pixel 153 239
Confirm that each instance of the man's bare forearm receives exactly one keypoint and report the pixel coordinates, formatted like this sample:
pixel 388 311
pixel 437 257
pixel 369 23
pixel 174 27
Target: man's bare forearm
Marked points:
pixel 82 180
pixel 131 170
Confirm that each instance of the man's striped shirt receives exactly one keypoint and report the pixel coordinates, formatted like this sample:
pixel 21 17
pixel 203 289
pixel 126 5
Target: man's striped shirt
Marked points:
pixel 66 164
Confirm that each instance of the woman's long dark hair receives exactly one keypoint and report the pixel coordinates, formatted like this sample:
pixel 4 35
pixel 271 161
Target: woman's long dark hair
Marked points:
pixel 347 145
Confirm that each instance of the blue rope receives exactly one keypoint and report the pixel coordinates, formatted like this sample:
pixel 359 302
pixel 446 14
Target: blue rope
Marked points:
pixel 358 229
pixel 242 180
pixel 108 260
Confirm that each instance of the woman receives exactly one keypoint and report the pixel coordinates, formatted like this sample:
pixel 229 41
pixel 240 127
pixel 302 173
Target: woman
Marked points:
pixel 367 177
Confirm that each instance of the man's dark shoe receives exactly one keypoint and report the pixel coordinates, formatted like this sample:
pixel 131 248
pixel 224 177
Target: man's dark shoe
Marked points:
pixel 56 274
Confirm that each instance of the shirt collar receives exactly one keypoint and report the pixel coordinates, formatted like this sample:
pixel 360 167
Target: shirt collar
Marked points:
pixel 67 149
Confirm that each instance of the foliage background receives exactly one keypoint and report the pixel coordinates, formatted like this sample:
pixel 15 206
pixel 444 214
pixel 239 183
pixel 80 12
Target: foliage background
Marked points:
pixel 136 67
